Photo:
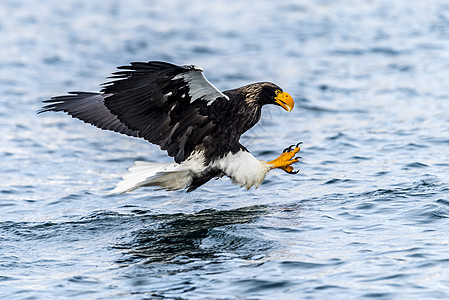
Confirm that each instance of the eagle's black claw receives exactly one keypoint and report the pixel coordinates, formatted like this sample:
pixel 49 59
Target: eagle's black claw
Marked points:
pixel 293 172
pixel 291 147
pixel 298 157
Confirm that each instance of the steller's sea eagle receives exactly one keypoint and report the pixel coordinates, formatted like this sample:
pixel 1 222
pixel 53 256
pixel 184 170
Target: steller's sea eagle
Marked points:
pixel 177 108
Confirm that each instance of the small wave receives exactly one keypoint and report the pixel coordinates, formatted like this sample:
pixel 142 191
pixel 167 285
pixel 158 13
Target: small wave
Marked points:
pixel 387 277
pixel 83 280
pixel 308 265
pixel 361 51
pixel 416 165
pixel 432 216
pixel 337 180
pixel 251 286
pixel 443 201
pixel 422 187
pixel 6 278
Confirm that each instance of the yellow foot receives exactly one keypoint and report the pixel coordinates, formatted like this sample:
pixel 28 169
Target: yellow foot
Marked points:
pixel 286 159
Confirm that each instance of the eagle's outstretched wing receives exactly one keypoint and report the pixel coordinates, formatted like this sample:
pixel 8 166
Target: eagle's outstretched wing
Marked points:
pixel 90 108
pixel 168 105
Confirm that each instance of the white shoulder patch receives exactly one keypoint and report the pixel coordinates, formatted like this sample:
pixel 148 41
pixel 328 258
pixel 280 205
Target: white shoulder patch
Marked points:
pixel 199 86
pixel 243 168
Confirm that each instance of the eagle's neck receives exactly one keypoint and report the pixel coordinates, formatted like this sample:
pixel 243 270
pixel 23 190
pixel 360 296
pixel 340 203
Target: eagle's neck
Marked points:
pixel 248 113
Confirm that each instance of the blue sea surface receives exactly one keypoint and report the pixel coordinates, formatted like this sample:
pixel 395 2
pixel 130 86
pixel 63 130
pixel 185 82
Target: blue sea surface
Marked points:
pixel 366 217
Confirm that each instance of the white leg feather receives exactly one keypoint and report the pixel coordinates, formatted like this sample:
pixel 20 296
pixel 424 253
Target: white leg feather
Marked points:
pixel 243 168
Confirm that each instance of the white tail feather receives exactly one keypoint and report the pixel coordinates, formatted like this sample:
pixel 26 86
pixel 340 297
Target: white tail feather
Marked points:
pixel 170 176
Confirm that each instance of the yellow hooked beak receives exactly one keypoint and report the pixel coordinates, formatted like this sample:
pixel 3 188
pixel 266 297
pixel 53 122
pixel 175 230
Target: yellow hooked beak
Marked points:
pixel 285 101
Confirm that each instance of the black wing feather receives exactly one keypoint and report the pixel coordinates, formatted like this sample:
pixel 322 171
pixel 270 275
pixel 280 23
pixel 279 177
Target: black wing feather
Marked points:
pixel 90 108
pixel 167 104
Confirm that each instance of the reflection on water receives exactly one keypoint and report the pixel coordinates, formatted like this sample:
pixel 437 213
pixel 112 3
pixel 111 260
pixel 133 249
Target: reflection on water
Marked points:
pixel 180 237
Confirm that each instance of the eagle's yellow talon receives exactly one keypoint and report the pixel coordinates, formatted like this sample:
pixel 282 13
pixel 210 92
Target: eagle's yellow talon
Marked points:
pixel 287 169
pixel 286 159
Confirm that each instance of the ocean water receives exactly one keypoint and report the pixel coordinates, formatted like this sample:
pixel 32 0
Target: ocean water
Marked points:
pixel 366 217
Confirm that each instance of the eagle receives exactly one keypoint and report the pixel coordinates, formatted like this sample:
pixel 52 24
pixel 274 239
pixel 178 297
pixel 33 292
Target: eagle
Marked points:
pixel 177 108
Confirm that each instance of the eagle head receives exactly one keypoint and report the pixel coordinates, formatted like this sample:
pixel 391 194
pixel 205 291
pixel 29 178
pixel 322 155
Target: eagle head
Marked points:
pixel 270 93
